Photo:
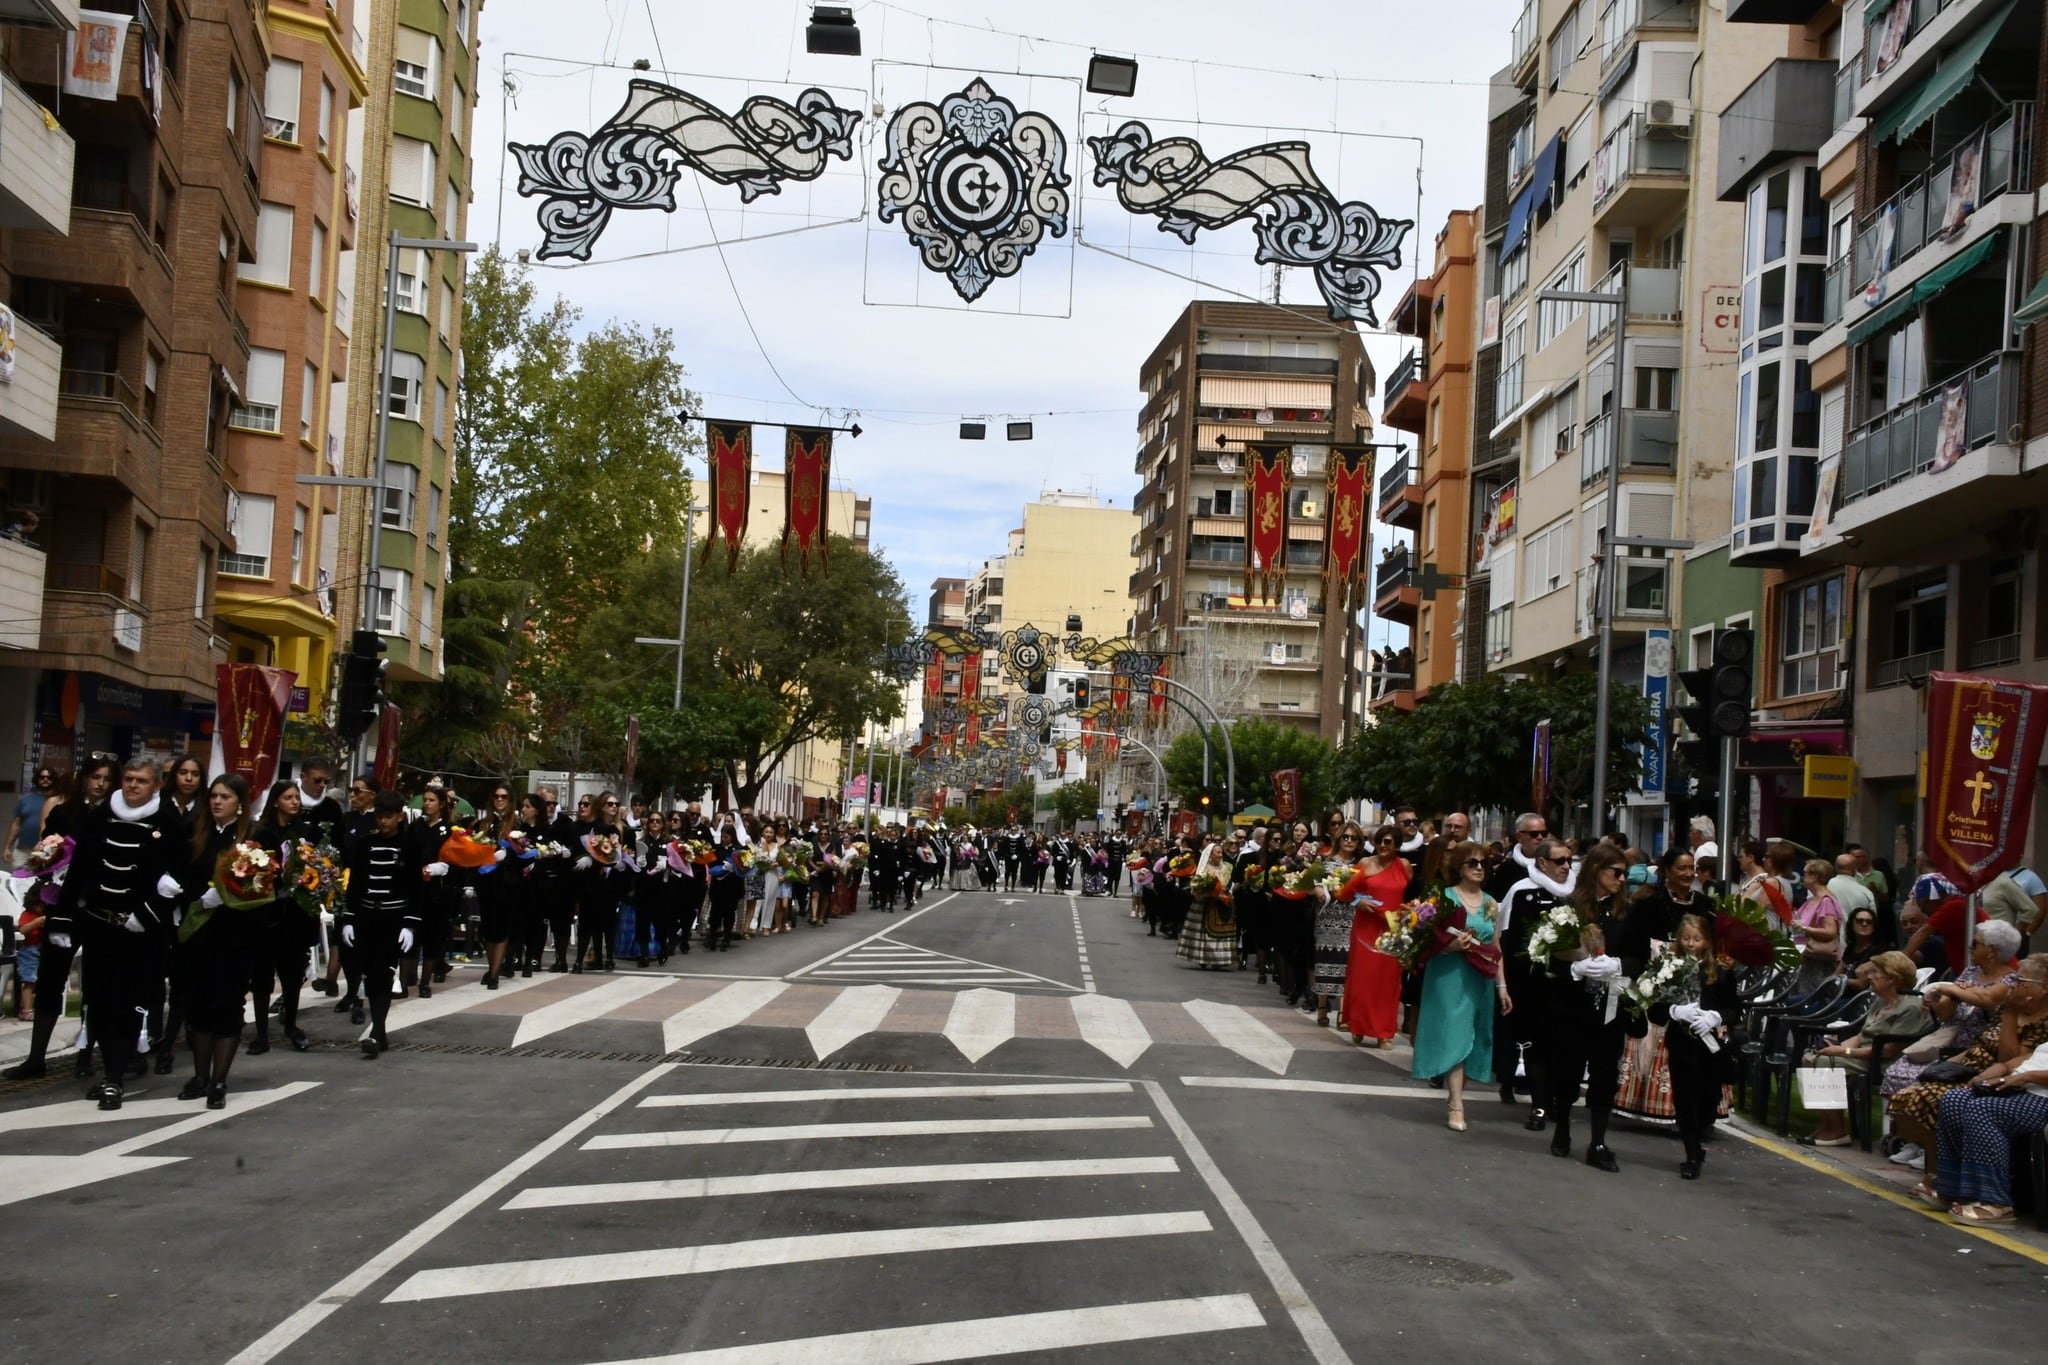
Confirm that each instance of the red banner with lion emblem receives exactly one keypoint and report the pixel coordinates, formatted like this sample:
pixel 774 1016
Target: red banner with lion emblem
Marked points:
pixel 1983 756
pixel 732 468
pixel 1267 478
pixel 809 476
pixel 1344 535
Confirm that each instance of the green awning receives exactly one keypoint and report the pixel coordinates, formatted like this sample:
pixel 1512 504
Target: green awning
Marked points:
pixel 2034 306
pixel 1954 268
pixel 1950 77
pixel 1883 316
pixel 1873 10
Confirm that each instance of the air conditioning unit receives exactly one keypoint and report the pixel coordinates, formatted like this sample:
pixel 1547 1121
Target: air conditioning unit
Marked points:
pixel 1666 114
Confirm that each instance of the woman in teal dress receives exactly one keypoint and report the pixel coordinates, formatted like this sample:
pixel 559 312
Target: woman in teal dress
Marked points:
pixel 1454 1033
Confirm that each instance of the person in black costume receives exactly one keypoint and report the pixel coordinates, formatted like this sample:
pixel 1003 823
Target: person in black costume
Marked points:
pixel 219 944
pixel 728 884
pixel 1580 1038
pixel 1697 1067
pixel 322 819
pixel 116 900
pixel 551 884
pixel 87 793
pixel 494 891
pixel 1013 846
pixel 1063 856
pixel 598 888
pixel 381 920
pixel 1528 900
pixel 285 932
pixel 438 898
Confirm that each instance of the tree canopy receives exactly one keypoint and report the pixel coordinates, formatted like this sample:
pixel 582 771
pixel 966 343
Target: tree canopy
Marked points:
pixel 1262 747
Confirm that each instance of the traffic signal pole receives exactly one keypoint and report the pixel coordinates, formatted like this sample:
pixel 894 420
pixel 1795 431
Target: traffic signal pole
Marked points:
pixel 1724 824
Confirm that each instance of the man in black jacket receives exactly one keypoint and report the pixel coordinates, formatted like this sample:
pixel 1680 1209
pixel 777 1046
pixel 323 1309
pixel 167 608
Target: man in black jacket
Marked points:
pixel 1012 845
pixel 381 918
pixel 117 901
pixel 324 821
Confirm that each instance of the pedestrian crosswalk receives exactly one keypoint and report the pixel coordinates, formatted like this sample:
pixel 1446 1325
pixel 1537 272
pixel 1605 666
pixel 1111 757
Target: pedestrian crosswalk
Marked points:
pixel 960 1222
pixel 664 1014
pixel 905 964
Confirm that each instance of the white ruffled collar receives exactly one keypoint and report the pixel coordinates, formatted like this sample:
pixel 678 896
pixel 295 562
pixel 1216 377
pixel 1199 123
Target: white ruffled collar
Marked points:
pixel 118 804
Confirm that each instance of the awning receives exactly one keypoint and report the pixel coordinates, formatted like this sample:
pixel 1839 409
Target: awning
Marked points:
pixel 1883 316
pixel 1954 268
pixel 1218 526
pixel 1538 189
pixel 2034 306
pixel 1873 10
pixel 1950 77
pixel 1217 392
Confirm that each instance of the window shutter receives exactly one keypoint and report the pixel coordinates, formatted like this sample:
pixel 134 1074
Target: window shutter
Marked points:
pixel 408 168
pixel 1501 587
pixel 281 100
pixel 273 263
pixel 266 377
pixel 1646 513
pixel 255 514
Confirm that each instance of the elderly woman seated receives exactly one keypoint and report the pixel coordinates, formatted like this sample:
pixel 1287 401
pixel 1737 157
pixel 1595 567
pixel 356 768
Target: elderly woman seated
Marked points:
pixel 1965 1008
pixel 1898 1013
pixel 2007 1101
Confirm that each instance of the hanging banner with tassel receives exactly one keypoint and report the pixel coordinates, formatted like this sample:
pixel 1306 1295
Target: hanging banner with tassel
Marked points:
pixel 732 469
pixel 809 466
pixel 1349 500
pixel 1266 480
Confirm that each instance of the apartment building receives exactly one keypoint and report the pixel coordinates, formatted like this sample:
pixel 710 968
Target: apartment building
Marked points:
pixel 1246 371
pixel 412 139
pixel 130 203
pixel 1609 168
pixel 1070 559
pixel 1419 583
pixel 1917 210
pixel 275 600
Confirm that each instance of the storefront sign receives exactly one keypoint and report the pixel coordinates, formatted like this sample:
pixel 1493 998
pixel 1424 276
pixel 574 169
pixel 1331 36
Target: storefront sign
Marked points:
pixel 1983 754
pixel 1721 318
pixel 302 701
pixel 1657 690
pixel 1830 777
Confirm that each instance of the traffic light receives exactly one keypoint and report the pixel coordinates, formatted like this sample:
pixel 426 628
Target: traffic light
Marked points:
pixel 362 684
pixel 1205 801
pixel 1734 651
pixel 1080 694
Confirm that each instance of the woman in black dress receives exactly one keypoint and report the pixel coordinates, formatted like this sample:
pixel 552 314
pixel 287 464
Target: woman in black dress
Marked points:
pixel 598 887
pixel 436 898
pixel 285 933
pixel 1697 1064
pixel 214 957
pixel 1581 1039
pixel 495 890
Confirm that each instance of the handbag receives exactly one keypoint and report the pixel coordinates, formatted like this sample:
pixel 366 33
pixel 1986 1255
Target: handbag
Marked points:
pixel 1946 1073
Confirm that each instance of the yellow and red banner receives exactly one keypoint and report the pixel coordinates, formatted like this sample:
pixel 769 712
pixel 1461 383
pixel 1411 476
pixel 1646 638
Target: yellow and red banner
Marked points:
pixel 1267 478
pixel 808 466
pixel 732 467
pixel 1983 757
pixel 1286 794
pixel 1346 529
pixel 250 705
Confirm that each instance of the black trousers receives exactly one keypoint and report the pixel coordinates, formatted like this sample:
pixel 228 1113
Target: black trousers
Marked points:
pixel 556 910
pixel 1009 874
pixel 1695 1086
pixel 690 899
pixel 1521 1033
pixel 1578 1043
pixel 124 973
pixel 51 979
pixel 597 915
pixel 282 960
pixel 1063 875
pixel 726 894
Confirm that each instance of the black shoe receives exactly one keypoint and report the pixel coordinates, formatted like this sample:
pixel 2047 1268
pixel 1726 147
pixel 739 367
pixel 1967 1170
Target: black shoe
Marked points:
pixel 577 970
pixel 345 1004
pixel 560 966
pixel 194 1089
pixel 110 1096
pixel 1436 1082
pixel 1598 1157
pixel 369 1046
pixel 1536 1121
pixel 95 1090
pixel 27 1070
pixel 611 966
pixel 1689 1170
pixel 81 1065
pixel 427 989
pixel 217 1095
pixel 641 962
pixel 527 970
pixel 490 983
pixel 661 961
pixel 297 1038
pixel 1561 1143
pixel 260 1046
pixel 440 972
pixel 324 988
pixel 358 1014
pixel 163 1063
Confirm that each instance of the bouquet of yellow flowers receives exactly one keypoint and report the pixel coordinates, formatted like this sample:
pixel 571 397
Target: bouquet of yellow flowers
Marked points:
pixel 314 874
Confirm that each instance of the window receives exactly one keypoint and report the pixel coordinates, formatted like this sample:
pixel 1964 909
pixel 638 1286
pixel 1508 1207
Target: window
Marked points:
pixel 1919 621
pixel 152 374
pixel 1645 587
pixel 1810 637
pixel 1514 272
pixel 234 99
pixel 451 208
pixel 201 579
pixel 394 591
pixel 1423 631
pixel 1521 152
pixel 249 527
pixel 412 267
pixel 1555 433
pixel 1553 318
pixel 401 496
pixel 1507 388
pixel 412 171
pixel 307 390
pixel 273 263
pixel 447 317
pixel 263 395
pixel 462 22
pixel 416 71
pixel 427 599
pixel 408 377
pixel 1656 388
pixel 298 543
pixel 1500 604
pixel 316 266
pixel 440 412
pixel 433 515
pixel 1226 501
pixel 1549 559
pixel 1429 528
pixel 324 133
pixel 1564 48
pixel 138 563
pixel 227 260
pixel 281 99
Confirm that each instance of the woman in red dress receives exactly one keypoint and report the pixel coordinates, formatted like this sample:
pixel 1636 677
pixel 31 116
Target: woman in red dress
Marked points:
pixel 1372 980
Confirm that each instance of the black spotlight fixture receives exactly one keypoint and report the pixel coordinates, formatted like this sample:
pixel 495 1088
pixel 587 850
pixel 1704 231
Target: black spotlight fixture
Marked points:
pixel 832 31
pixel 1019 431
pixel 974 431
pixel 1112 75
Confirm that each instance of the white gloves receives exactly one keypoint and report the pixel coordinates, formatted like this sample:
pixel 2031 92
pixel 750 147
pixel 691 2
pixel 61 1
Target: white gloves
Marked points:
pixel 60 941
pixel 435 869
pixel 168 888
pixel 132 925
pixel 405 940
pixel 211 900
pixel 1706 1022
pixel 348 934
pixel 499 856
pixel 1599 968
pixel 583 864
pixel 1684 1014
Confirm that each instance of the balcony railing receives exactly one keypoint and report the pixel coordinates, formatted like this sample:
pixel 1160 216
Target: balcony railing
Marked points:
pixel 1396 477
pixel 1877 57
pixel 2005 166
pixel 1647 286
pixel 1507 388
pixel 1892 672
pixel 1652 442
pixel 96 384
pixel 1522 41
pixel 86 578
pixel 1620 20
pixel 1596 449
pixel 1999 649
pixel 1907 440
pixel 1410 371
pixel 1834 291
pixel 1391 572
pixel 1847 80
pixel 1630 151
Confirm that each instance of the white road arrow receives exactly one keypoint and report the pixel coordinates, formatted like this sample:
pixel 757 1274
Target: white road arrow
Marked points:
pixel 1011 902
pixel 1112 1027
pixel 982 1021
pixel 733 1005
pixel 585 1006
pixel 858 1010
pixel 1241 1033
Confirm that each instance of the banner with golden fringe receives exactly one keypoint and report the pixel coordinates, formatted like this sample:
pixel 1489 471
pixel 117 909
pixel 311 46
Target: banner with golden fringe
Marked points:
pixel 731 458
pixel 1349 498
pixel 1267 477
pixel 808 466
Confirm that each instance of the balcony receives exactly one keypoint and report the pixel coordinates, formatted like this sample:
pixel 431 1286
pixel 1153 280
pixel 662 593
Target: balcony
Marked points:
pixel 109 252
pixel 1905 483
pixel 1642 172
pixel 1263 364
pixel 1522 41
pixel 28 406
pixel 23 569
pixel 1400 497
pixel 58 14
pixel 1919 214
pixel 1885 50
pixel 1394 594
pixel 1834 291
pixel 1623 19
pixel 1648 438
pixel 1910 668
pixel 1653 297
pixel 1787 111
pixel 35 163
pixel 1404 403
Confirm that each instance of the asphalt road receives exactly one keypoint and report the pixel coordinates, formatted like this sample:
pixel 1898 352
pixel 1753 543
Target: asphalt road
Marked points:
pixel 923 1137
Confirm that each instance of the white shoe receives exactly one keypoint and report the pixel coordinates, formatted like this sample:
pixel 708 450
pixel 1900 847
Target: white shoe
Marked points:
pixel 1909 1155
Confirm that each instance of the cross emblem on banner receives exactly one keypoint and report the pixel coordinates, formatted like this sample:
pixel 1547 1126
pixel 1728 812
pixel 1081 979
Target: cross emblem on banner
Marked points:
pixel 1977 787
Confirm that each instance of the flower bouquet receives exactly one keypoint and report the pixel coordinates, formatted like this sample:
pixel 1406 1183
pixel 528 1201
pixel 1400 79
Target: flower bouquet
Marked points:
pixel 1098 859
pixel 1208 886
pixel 519 844
pixel 1141 877
pixel 1558 934
pixel 968 852
pixel 1343 881
pixel 1135 861
pixel 246 876
pixel 464 848
pixel 1444 921
pixel 604 849
pixel 1300 881
pixel 1404 939
pixel 314 874
pixel 746 858
pixel 1671 978
pixel 796 859
pixel 550 849
pixel 1043 858
pixel 48 861
pixel 1744 936
pixel 1180 866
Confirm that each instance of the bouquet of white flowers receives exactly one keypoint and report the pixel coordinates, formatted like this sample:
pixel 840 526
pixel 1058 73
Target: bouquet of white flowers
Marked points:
pixel 1557 933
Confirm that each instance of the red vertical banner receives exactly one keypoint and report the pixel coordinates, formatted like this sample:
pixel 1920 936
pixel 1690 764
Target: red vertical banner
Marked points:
pixel 1158 702
pixel 250 704
pixel 1120 696
pixel 1267 478
pixel 1059 762
pixel 934 677
pixel 1539 768
pixel 1983 757
pixel 732 475
pixel 384 772
pixel 1344 534
pixel 1287 794
pixel 808 466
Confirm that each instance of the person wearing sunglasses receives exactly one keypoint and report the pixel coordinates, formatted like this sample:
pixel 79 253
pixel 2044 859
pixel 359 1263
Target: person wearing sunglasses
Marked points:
pixel 22 831
pixel 1454 1028
pixel 598 887
pixel 1583 1040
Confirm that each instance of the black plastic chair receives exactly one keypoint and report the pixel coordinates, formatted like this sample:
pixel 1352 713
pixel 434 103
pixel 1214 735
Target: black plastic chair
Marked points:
pixel 1798 1032
pixel 1885 1048
pixel 1764 1027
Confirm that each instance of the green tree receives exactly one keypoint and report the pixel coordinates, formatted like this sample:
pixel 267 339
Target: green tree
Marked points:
pixel 1262 748
pixel 993 810
pixel 1076 801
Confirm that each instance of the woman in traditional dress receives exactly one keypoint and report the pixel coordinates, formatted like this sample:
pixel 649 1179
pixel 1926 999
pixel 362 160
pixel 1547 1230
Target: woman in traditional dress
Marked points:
pixel 1645 1092
pixel 1372 979
pixel 1454 1038
pixel 214 956
pixel 1208 936
pixel 285 932
pixel 1336 925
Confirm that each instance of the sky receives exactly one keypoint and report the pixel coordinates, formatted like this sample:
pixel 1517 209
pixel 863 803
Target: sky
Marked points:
pixel 804 306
